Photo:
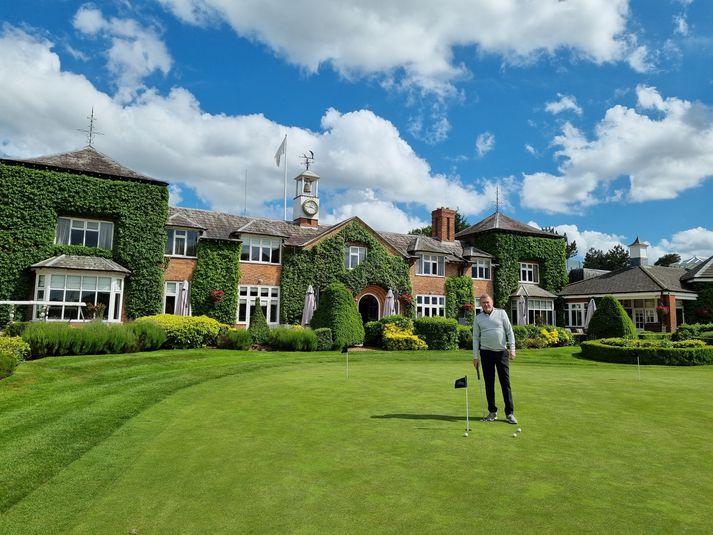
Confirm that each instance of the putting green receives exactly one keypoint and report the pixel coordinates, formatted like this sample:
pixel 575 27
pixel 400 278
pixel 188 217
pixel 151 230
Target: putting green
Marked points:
pixel 300 449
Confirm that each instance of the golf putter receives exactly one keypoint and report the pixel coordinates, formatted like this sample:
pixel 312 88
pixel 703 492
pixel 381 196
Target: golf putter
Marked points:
pixel 480 387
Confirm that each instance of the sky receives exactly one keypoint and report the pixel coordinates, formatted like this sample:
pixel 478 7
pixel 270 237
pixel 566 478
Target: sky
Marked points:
pixel 591 116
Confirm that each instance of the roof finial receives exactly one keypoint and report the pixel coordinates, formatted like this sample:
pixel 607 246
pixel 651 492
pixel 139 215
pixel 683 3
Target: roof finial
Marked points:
pixel 307 159
pixel 91 132
pixel 497 198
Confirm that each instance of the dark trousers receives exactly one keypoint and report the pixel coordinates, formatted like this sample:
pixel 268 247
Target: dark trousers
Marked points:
pixel 490 360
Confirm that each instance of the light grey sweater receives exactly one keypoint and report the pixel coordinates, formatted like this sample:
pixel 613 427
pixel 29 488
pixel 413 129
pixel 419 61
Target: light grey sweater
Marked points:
pixel 492 331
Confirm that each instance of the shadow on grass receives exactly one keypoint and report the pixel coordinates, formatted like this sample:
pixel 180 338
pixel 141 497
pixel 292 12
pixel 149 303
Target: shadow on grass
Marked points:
pixel 441 417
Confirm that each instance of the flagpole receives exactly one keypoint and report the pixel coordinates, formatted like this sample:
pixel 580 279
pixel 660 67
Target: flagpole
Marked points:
pixel 285 178
pixel 467 414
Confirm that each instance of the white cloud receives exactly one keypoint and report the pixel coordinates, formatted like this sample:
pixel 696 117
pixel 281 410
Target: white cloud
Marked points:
pixel 640 59
pixel 175 195
pixel 529 148
pixel 565 103
pixel 696 241
pixel 135 52
pixel 377 213
pixel 484 144
pixel 680 24
pixel 664 147
pixel 587 239
pixel 172 138
pixel 415 41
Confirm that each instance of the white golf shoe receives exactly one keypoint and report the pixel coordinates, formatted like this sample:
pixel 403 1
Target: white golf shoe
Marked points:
pixel 491 417
pixel 510 418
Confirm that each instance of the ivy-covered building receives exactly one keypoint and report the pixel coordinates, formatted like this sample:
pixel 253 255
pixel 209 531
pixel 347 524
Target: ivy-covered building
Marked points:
pixel 81 228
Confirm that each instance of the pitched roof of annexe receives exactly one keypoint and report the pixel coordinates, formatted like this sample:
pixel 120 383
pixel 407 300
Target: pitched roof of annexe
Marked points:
pixel 499 221
pixel 87 161
pixel 638 279
pixel 703 271
pixel 83 263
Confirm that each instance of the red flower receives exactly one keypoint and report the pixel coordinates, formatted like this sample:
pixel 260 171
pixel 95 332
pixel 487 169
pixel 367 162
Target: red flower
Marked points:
pixel 406 298
pixel 217 295
pixel 468 307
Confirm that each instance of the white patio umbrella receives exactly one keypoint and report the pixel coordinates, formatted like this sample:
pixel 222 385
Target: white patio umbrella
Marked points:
pixel 184 303
pixel 389 309
pixel 591 307
pixel 309 306
pixel 522 310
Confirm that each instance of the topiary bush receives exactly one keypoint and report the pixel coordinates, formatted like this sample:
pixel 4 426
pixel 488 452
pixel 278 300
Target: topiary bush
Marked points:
pixel 438 333
pixel 465 337
pixel 626 351
pixel 337 310
pixel 187 332
pixel 291 339
pixel 398 339
pixel 324 339
pixel 610 320
pixel 259 328
pixel 239 339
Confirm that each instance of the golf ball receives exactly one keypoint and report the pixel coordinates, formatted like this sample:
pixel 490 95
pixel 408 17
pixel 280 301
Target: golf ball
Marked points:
pixel 514 435
pixel 465 434
pixel 519 430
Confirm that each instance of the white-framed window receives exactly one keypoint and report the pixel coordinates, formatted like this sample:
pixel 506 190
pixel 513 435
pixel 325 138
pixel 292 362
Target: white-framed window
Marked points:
pixel 481 269
pixel 575 314
pixel 540 311
pixel 93 288
pixel 269 302
pixel 431 265
pixel 641 311
pixel 262 250
pixel 171 293
pixel 88 232
pixel 353 256
pixel 478 308
pixel 529 272
pixel 430 305
pixel 181 242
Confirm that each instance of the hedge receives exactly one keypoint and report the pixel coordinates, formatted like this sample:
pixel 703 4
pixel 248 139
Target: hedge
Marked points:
pixel 610 320
pixel 338 311
pixel 94 338
pixel 293 339
pixel 438 333
pixel 8 363
pixel 398 339
pixel 15 345
pixel 602 350
pixel 324 339
pixel 239 339
pixel 541 336
pixel 465 337
pixel 692 330
pixel 187 332
pixel 373 332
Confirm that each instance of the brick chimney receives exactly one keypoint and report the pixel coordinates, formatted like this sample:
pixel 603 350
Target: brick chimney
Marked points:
pixel 443 224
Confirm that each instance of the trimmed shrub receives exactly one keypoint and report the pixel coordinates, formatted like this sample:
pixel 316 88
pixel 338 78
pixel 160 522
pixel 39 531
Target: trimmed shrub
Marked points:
pixel 259 328
pixel 603 350
pixel 692 330
pixel 337 310
pixel 438 333
pixel 398 339
pixel 150 336
pixel 15 345
pixel 465 337
pixel 240 339
pixel 324 339
pixel 289 339
pixel 16 328
pixel 373 331
pixel 187 332
pixel 610 320
pixel 649 335
pixel 402 322
pixel 8 363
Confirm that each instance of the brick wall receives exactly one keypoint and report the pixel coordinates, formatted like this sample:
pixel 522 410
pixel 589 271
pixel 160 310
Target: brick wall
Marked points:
pixel 429 284
pixel 260 274
pixel 180 269
pixel 443 224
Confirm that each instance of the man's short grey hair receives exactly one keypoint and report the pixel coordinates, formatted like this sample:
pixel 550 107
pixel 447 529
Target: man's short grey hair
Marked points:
pixel 486 295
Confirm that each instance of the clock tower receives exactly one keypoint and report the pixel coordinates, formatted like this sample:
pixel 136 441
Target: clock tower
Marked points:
pixel 305 206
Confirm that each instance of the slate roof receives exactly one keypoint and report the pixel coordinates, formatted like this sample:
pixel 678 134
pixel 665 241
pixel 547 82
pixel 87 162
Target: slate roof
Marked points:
pixel 532 290
pixel 635 279
pixel 579 274
pixel 85 263
pixel 704 270
pixel 181 220
pixel 499 221
pixel 86 161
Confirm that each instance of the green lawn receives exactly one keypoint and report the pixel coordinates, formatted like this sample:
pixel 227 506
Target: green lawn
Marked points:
pixel 209 441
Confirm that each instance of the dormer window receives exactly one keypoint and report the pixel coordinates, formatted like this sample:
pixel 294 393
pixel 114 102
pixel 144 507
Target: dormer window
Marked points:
pixel 87 232
pixel 481 269
pixel 353 256
pixel 181 242
pixel 261 250
pixel 431 265
pixel 529 272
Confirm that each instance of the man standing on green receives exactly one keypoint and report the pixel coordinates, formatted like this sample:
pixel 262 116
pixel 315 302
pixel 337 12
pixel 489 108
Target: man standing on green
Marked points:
pixel 492 333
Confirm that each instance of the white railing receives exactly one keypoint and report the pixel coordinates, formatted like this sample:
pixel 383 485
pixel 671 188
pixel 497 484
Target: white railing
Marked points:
pixel 46 307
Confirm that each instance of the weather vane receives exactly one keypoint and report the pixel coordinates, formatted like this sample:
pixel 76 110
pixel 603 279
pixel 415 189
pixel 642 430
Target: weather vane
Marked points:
pixel 307 160
pixel 497 198
pixel 91 131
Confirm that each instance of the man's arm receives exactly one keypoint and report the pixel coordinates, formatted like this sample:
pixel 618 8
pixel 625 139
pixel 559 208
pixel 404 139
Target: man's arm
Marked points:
pixel 510 335
pixel 476 341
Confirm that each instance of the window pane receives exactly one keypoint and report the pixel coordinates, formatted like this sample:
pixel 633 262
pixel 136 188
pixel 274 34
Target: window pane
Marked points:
pixel 265 256
pixel 91 238
pixel 171 288
pixel 106 234
pixel 243 290
pixel 245 252
pixel 78 223
pixel 56 295
pixel 170 306
pixel 89 297
pixel 72 295
pixel 255 253
pixel 191 242
pixel 242 311
pixel 92 225
pixel 272 318
pixel 57 281
pixel 169 241
pixel 77 237
pixel 63 229
pixel 103 298
pixel 180 245
pixel 89 283
pixel 104 284
pixel 74 282
pixel 264 292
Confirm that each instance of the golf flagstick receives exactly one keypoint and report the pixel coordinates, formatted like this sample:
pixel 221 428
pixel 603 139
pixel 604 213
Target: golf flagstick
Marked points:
pixel 467 414
pixel 480 387
pixel 638 367
pixel 345 350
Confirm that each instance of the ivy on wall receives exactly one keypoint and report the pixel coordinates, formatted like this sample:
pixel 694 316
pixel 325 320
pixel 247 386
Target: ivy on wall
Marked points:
pixel 32 200
pixel 459 292
pixel 324 264
pixel 510 249
pixel 217 269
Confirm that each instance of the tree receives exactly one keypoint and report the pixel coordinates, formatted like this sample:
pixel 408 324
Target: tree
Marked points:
pixel 615 258
pixel 610 320
pixel 461 224
pixel 337 311
pixel 259 329
pixel 668 259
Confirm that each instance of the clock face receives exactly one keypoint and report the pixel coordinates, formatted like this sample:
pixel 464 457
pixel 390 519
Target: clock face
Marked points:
pixel 310 207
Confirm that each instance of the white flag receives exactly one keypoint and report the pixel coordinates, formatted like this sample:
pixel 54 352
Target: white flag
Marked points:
pixel 280 151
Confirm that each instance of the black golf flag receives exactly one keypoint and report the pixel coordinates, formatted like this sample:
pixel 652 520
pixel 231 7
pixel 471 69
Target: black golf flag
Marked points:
pixel 462 382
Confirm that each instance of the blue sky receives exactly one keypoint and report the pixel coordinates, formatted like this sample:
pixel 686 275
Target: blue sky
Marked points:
pixel 593 116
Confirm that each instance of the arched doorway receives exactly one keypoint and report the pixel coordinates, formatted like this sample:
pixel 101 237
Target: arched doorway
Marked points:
pixel 368 308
